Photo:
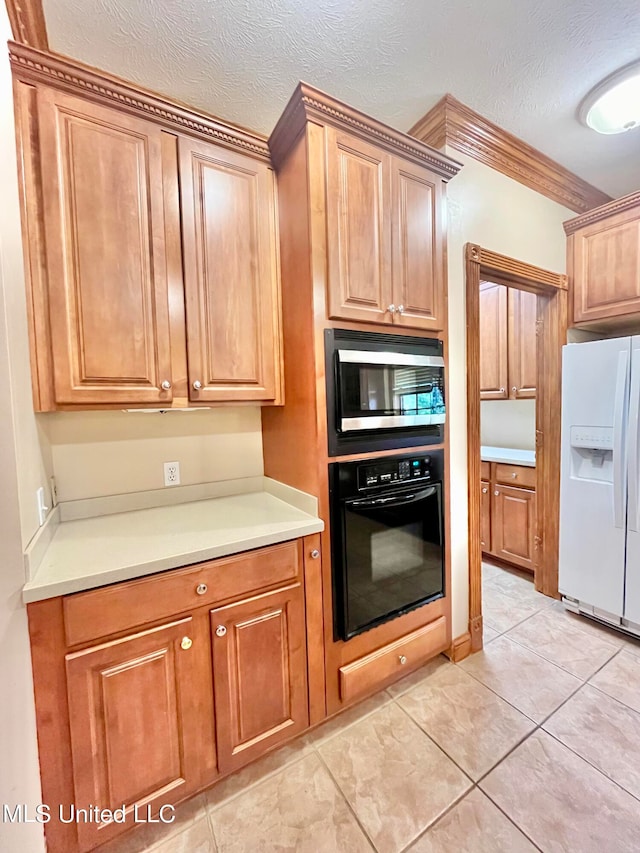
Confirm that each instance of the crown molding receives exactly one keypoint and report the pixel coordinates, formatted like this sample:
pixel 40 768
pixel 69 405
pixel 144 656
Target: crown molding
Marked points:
pixel 452 123
pixel 308 104
pixel 35 66
pixel 27 22
pixel 618 205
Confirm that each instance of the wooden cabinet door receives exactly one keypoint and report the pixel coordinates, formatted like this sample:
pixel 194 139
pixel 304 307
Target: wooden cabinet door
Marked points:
pixel 605 258
pixel 513 523
pixel 259 664
pixel 105 253
pixel 493 342
pixel 358 229
pixel 230 269
pixel 418 247
pixel 141 721
pixel 522 348
pixel 485 515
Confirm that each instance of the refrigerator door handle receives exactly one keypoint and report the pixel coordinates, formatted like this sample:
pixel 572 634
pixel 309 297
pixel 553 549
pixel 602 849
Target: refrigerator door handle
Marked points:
pixel 619 468
pixel 633 443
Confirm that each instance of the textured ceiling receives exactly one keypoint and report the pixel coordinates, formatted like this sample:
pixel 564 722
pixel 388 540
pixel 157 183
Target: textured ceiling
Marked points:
pixel 524 64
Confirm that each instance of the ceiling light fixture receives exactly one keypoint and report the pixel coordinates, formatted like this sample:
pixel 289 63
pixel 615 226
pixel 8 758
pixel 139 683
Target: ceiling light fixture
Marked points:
pixel 613 106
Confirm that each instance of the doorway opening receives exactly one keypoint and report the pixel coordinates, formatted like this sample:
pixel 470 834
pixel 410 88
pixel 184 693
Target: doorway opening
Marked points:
pixel 550 289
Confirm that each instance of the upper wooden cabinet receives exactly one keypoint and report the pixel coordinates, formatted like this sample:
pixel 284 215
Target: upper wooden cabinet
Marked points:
pixel 105 252
pixel 603 263
pixel 375 210
pixel 358 228
pixel 508 359
pixel 152 254
pixel 230 273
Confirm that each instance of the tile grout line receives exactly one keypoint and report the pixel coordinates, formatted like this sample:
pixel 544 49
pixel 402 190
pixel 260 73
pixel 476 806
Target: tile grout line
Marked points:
pixel 342 794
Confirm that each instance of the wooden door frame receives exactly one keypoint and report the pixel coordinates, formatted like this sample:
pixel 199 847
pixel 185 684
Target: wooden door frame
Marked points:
pixel 551 332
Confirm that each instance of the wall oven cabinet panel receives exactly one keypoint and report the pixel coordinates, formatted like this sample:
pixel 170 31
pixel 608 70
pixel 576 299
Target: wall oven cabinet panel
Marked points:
pixel 232 305
pixel 105 253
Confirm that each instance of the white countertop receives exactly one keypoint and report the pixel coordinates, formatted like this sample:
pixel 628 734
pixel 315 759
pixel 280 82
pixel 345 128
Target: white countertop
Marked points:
pixel 508 455
pixel 90 552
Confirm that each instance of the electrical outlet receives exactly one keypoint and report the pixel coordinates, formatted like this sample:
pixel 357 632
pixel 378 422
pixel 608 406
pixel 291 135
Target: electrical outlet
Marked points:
pixel 42 508
pixel 172 473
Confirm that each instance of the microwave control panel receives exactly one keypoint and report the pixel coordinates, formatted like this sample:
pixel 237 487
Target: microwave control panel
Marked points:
pixel 385 472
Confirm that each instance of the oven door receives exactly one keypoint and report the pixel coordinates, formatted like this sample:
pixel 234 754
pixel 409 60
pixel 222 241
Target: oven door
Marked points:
pixel 388 390
pixel 392 557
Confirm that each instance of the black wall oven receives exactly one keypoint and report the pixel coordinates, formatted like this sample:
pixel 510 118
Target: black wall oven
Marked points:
pixel 383 391
pixel 387 542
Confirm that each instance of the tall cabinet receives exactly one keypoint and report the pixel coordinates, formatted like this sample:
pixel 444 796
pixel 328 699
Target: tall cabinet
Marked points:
pixel 362 228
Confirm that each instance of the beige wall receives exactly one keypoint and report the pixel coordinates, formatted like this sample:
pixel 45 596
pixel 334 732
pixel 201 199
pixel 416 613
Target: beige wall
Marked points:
pixel 487 208
pixel 508 423
pixel 110 453
pixel 23 470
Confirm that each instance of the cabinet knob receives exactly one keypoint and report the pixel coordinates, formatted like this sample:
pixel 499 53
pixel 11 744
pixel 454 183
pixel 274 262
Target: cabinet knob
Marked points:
pixel 197 385
pixel 166 385
pixel 485 490
pixel 186 643
pixel 502 390
pixel 315 554
pixel 391 309
pixel 221 631
pixel 402 659
pixel 201 588
pixel 514 389
pixel 400 309
pixel 496 493
pixel 514 474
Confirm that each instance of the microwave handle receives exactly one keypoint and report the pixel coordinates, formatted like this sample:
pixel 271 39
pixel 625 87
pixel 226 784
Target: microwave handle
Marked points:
pixel 391 502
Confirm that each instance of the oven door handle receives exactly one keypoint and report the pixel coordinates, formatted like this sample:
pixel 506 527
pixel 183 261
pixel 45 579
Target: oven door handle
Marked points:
pixel 391 502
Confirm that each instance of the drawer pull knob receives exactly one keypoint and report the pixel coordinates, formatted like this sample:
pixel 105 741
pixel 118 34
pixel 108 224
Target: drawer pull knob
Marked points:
pixel 186 643
pixel 315 554
pixel 201 588
pixel 496 493
pixel 402 659
pixel 514 475
pixel 221 631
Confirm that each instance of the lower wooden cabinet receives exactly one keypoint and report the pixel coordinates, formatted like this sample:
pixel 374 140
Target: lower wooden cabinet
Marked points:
pixel 485 515
pixel 513 525
pixel 508 514
pixel 141 723
pixel 259 664
pixel 151 713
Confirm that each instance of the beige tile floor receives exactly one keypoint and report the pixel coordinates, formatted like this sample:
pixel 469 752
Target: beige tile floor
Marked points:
pixel 532 744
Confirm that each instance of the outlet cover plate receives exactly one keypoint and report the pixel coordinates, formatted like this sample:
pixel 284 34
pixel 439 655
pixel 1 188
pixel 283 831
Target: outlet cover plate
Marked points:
pixel 172 473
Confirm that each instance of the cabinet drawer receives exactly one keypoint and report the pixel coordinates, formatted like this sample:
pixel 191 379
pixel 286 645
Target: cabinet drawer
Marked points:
pixel 109 610
pixel 515 475
pixel 485 470
pixel 373 670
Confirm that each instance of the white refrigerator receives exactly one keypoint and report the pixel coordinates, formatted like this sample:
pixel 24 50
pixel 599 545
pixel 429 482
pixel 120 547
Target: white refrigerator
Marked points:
pixel 599 570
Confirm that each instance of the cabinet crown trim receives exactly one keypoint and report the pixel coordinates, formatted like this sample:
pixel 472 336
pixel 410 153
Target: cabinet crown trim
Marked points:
pixel 33 66
pixel 452 123
pixel 310 104
pixel 618 205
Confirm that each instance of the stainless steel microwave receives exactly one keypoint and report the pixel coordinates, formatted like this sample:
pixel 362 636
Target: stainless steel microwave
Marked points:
pixel 383 391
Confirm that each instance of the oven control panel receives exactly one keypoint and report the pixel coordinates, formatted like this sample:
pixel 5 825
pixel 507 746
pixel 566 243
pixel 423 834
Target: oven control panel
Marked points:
pixel 385 472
